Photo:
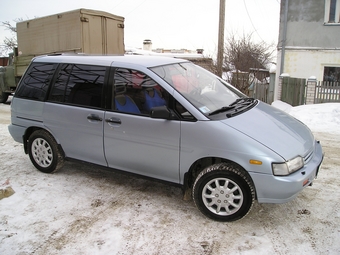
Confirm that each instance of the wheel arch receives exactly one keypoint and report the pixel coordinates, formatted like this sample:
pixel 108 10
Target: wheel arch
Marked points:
pixel 199 165
pixel 29 132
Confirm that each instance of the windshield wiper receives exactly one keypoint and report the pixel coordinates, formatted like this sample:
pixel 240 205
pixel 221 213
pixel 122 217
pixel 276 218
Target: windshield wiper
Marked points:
pixel 243 101
pixel 222 109
pixel 242 105
pixel 239 105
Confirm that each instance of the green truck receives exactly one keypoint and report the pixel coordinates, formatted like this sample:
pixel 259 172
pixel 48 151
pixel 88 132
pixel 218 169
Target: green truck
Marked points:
pixel 78 31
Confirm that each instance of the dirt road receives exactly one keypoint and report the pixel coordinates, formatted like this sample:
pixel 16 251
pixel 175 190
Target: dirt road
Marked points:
pixel 84 209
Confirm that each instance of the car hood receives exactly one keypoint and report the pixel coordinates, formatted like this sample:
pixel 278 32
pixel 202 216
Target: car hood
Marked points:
pixel 275 129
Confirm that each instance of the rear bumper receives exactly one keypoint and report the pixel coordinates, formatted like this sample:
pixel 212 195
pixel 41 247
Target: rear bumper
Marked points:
pixel 17 132
pixel 281 189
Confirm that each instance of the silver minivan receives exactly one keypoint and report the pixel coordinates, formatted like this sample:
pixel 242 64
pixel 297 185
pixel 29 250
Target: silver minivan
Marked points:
pixel 167 119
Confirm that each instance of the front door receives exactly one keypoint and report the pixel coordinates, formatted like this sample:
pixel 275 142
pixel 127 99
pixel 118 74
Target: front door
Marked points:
pixel 142 145
pixel 135 142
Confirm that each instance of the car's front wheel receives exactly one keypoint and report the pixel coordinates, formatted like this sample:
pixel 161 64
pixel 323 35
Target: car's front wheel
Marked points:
pixel 223 192
pixel 44 152
pixel 3 96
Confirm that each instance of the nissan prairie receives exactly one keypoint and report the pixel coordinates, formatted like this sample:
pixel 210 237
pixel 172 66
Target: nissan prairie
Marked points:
pixel 167 119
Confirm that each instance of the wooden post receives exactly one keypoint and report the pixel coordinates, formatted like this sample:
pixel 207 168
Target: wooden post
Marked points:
pixel 220 50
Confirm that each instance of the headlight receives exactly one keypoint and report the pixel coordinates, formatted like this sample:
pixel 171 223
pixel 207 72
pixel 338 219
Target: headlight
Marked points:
pixel 288 167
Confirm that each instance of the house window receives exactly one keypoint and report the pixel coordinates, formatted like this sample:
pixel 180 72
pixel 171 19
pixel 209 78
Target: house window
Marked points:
pixel 331 73
pixel 332 11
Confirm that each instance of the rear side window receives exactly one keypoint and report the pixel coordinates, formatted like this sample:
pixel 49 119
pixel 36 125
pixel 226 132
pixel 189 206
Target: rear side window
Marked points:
pixel 34 84
pixel 79 84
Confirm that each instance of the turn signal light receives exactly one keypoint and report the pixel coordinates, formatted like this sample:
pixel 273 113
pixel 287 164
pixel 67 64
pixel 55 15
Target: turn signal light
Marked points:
pixel 255 162
pixel 305 182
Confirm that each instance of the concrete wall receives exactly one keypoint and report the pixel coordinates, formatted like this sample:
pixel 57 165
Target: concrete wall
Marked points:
pixel 306 25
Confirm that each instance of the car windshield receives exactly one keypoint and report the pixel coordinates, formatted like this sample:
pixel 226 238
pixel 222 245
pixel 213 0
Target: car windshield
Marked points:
pixel 204 90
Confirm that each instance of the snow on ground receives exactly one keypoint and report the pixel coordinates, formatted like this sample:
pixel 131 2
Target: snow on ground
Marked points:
pixel 318 117
pixel 84 209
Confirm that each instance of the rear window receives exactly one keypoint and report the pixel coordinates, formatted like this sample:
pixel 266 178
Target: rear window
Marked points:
pixel 34 84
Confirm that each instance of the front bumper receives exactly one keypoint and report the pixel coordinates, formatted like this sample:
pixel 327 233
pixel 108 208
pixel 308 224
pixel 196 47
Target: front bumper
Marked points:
pixel 281 189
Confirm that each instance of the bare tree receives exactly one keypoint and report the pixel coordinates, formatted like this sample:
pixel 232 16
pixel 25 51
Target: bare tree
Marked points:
pixel 9 42
pixel 243 58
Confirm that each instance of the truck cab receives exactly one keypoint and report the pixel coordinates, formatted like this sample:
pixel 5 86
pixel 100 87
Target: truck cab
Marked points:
pixel 8 80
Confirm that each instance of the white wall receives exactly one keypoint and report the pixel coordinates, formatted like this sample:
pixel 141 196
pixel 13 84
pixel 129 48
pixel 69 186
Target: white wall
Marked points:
pixel 307 63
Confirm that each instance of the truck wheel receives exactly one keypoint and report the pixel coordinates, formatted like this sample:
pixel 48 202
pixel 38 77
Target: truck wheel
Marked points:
pixel 44 152
pixel 3 97
pixel 223 192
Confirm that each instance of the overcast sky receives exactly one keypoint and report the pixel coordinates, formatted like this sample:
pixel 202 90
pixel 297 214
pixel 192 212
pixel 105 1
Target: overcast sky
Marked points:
pixel 170 24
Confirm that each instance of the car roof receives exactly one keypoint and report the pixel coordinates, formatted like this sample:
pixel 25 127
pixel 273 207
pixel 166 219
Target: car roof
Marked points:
pixel 107 60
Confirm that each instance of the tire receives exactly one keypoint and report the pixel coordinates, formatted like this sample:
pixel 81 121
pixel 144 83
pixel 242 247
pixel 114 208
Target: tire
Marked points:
pixel 219 201
pixel 44 152
pixel 3 97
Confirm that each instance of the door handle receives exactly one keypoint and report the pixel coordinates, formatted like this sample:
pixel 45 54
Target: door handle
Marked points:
pixel 113 121
pixel 94 117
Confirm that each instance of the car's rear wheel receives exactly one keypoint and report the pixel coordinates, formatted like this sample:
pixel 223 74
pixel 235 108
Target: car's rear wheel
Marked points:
pixel 224 192
pixel 44 152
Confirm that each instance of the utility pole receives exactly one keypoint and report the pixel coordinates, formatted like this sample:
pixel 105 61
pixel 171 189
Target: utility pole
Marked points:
pixel 220 50
pixel 284 38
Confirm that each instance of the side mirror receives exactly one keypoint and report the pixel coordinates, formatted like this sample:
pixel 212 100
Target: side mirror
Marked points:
pixel 161 112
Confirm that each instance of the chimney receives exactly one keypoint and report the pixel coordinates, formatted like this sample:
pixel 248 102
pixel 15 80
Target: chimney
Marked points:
pixel 147 45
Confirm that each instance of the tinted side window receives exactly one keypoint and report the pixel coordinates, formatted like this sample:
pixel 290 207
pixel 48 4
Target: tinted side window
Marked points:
pixel 34 84
pixel 79 85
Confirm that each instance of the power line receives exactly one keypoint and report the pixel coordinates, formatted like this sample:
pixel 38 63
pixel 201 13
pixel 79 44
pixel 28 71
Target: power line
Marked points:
pixel 136 7
pixel 244 2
